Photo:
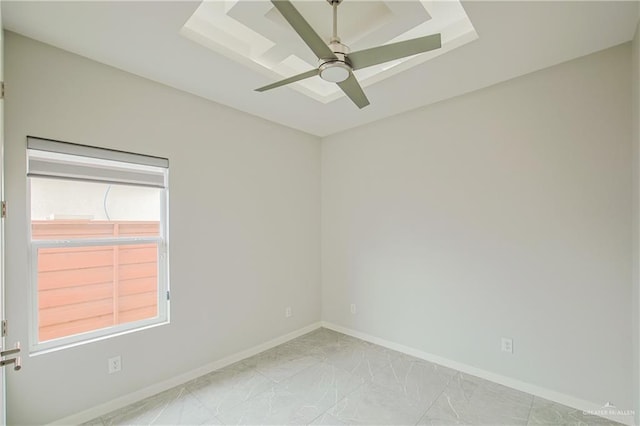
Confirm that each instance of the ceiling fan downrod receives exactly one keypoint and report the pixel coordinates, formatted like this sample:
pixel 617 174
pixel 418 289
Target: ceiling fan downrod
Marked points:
pixel 334 4
pixel 338 68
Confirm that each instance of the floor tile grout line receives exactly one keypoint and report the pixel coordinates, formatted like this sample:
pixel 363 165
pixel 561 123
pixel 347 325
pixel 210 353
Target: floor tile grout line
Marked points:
pixel 343 397
pixel 533 399
pixel 271 385
pixel 194 396
pixel 435 399
pixel 320 361
pixel 407 396
pixel 326 362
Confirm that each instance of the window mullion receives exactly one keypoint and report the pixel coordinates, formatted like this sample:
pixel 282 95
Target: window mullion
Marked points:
pixel 98 242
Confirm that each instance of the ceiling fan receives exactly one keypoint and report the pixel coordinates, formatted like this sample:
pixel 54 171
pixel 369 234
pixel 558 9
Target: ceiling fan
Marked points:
pixel 335 62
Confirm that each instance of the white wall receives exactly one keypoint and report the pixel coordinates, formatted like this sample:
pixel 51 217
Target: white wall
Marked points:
pixel 244 210
pixel 505 212
pixel 635 113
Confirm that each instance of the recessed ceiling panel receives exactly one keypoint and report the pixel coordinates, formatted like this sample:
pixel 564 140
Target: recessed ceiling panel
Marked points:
pixel 256 35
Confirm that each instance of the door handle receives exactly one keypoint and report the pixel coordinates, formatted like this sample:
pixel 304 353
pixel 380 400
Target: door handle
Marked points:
pixel 17 361
pixel 15 350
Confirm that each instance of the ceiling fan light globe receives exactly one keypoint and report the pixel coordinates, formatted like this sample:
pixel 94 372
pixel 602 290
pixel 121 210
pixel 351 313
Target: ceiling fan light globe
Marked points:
pixel 335 72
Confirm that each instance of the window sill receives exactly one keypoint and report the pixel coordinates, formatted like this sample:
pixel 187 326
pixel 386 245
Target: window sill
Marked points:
pixel 35 351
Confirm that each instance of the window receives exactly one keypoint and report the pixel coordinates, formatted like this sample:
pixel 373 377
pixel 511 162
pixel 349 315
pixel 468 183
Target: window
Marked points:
pixel 99 263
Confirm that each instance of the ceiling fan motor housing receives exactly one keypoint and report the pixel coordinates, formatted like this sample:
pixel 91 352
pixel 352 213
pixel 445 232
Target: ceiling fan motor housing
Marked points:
pixel 336 70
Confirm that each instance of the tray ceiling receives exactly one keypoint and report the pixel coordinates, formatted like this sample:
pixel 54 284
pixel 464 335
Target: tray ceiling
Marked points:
pixel 146 38
pixel 256 35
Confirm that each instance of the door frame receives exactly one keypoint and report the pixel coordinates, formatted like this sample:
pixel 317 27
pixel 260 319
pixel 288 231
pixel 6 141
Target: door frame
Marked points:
pixel 3 393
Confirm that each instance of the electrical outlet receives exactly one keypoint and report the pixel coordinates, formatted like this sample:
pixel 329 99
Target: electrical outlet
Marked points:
pixel 507 345
pixel 353 309
pixel 287 312
pixel 115 364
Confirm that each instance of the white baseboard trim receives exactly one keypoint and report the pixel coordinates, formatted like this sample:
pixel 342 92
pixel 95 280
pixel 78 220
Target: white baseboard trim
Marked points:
pixel 123 401
pixel 541 392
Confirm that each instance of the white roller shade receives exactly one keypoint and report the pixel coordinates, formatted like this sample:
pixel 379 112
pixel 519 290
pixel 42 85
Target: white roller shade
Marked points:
pixel 63 160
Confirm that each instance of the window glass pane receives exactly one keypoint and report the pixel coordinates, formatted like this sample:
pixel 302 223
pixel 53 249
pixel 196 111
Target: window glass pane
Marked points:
pixel 67 209
pixel 83 289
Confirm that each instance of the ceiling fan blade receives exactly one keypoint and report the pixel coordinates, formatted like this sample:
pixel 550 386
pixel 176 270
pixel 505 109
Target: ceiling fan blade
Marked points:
pixel 352 89
pixel 389 52
pixel 288 80
pixel 304 30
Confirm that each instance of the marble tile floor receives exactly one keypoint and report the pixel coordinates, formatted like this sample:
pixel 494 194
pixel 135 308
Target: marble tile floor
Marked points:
pixel 328 378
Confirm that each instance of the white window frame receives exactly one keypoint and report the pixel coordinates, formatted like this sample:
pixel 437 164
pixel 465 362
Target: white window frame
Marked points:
pixel 162 243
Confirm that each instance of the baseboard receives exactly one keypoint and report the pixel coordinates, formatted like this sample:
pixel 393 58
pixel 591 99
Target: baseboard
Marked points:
pixel 541 392
pixel 123 401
